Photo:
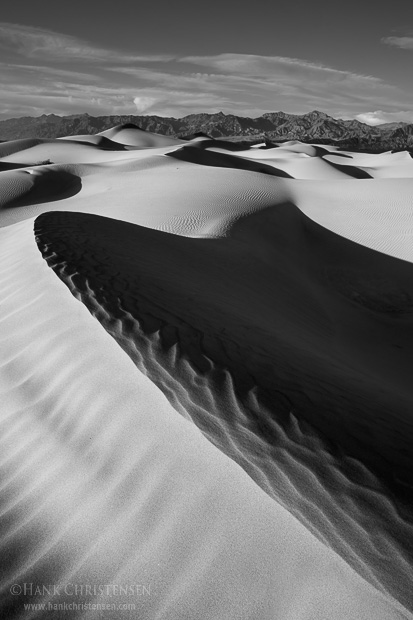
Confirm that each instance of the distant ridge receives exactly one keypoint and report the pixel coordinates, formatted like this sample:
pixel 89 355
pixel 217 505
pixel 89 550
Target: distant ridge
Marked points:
pixel 272 126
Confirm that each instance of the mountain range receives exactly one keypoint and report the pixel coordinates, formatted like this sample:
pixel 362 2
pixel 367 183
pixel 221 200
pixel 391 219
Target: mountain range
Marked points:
pixel 272 126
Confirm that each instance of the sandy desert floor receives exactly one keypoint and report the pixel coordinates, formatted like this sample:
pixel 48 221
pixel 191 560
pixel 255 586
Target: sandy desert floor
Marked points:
pixel 205 373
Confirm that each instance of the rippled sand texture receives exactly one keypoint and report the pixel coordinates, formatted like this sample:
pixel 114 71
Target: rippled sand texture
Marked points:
pixel 276 482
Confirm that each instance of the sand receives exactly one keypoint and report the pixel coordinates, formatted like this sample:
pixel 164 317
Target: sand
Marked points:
pixel 205 375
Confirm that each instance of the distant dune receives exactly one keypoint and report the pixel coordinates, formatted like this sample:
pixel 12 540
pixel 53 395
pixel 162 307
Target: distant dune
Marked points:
pixel 206 379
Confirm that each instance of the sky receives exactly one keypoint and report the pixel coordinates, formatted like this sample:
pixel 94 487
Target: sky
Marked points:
pixel 348 58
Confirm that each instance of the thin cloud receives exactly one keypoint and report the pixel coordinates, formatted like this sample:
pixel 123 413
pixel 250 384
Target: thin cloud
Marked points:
pixel 256 65
pixel 264 80
pixel 68 99
pixel 405 43
pixel 62 74
pixel 54 72
pixel 31 42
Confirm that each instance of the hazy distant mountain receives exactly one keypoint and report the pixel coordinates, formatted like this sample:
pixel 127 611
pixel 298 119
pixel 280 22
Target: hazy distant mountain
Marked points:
pixel 273 126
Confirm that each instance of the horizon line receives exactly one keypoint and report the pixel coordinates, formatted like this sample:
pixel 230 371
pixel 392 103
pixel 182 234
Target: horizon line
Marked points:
pixel 314 111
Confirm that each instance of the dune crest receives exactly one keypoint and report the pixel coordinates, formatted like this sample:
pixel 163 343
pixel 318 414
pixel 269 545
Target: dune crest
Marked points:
pixel 131 135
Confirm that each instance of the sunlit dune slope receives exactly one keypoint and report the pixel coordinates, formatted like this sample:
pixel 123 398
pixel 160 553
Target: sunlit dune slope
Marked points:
pixel 203 182
pixel 131 135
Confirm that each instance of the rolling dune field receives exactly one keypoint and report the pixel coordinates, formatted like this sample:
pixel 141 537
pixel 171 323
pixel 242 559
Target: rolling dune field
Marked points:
pixel 205 373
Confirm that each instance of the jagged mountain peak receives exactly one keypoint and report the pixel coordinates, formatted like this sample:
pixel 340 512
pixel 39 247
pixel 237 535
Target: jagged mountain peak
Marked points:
pixel 316 114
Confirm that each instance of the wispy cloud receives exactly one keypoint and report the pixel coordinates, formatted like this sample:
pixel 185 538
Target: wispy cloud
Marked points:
pixel 31 42
pixel 256 84
pixel 48 72
pixel 66 98
pixel 297 85
pixel 405 43
pixel 256 65
pixel 54 73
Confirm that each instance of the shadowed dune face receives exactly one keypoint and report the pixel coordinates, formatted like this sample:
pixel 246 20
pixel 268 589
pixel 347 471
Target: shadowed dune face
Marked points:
pixel 305 163
pixel 4 166
pixel 376 291
pixel 287 308
pixel 37 185
pixel 290 294
pixel 102 482
pixel 204 157
pixel 352 171
pixel 99 141
pixel 206 143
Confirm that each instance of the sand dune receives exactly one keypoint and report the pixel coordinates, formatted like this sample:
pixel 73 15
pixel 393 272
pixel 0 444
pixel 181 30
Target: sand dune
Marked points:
pixel 385 165
pixel 377 215
pixel 131 135
pixel 309 162
pixel 29 186
pixel 96 140
pixel 140 496
pixel 306 341
pixel 334 320
pixel 15 146
pixel 218 158
pixel 63 152
pixel 262 467
pixel 79 490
